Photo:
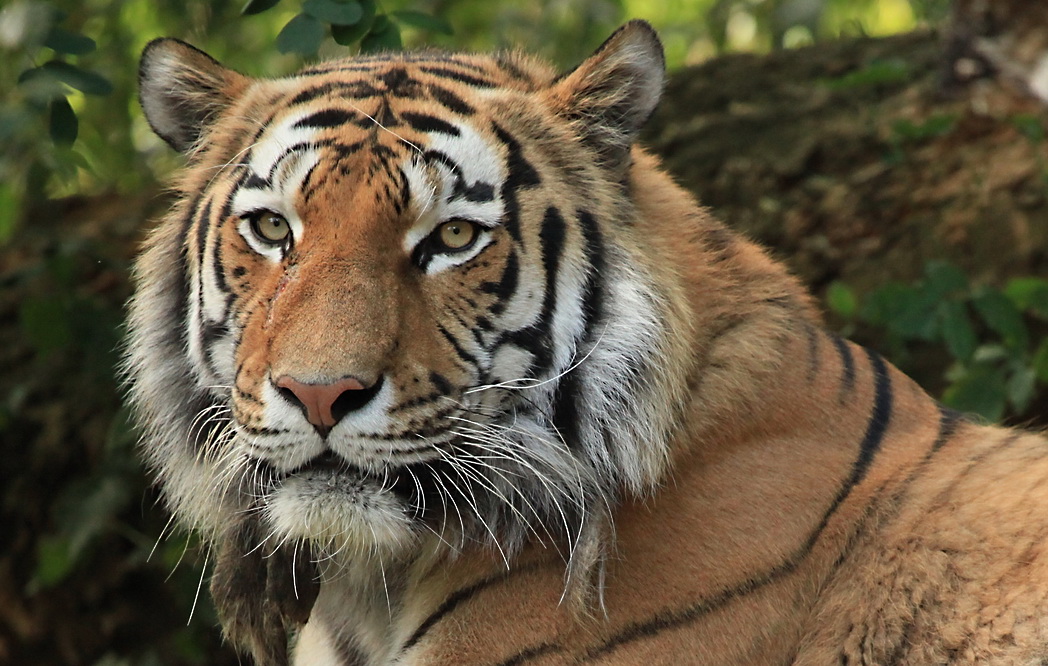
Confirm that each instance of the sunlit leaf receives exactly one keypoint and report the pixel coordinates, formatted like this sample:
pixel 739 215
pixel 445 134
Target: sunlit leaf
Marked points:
pixel 258 6
pixel 71 43
pixel 841 299
pixel 384 36
pixel 1030 294
pixel 335 13
pixel 63 123
pixel 423 21
pixel 302 34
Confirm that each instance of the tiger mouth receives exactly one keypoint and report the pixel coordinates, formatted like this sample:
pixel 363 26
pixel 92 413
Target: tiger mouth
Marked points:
pixel 408 485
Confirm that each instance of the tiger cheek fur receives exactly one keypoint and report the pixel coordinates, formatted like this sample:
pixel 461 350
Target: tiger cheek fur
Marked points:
pixel 444 366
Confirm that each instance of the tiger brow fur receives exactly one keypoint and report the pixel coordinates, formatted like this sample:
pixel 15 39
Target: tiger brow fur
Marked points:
pixel 606 430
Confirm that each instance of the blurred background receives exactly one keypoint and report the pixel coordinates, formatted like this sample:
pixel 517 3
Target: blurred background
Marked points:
pixel 874 144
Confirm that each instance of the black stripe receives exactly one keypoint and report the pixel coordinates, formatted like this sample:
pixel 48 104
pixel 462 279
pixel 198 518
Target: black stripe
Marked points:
pixel 949 419
pixel 456 598
pixel 450 100
pixel 461 77
pixel 506 286
pixel 871 441
pixel 565 416
pixel 848 374
pixel 520 175
pixel 531 653
pixel 327 118
pixel 538 338
pixel 592 291
pixel 423 122
pixel 459 351
pixel 879 419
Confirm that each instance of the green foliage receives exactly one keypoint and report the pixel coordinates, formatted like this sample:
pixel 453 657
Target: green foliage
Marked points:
pixel 348 22
pixel 994 340
pixel 38 124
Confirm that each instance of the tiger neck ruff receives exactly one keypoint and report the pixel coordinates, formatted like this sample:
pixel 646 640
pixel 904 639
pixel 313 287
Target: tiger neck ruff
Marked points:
pixel 448 371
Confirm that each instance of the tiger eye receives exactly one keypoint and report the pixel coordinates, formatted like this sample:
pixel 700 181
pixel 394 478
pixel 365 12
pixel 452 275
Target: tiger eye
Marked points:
pixel 271 227
pixel 457 234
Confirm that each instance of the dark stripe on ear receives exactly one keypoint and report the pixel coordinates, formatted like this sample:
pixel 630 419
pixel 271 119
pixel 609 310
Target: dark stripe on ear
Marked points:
pixel 461 77
pixel 327 118
pixel 423 122
pixel 848 361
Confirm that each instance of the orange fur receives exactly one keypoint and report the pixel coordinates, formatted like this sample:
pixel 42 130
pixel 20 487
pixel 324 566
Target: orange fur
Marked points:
pixel 785 497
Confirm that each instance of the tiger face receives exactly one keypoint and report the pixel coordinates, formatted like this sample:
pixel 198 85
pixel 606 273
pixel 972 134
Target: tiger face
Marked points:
pixel 392 303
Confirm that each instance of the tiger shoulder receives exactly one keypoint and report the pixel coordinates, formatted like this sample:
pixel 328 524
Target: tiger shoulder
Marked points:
pixel 448 370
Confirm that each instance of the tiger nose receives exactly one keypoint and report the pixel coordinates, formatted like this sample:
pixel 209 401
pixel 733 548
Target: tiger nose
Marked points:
pixel 326 404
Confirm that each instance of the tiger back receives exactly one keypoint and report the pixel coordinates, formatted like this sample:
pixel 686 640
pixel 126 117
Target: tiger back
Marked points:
pixel 449 371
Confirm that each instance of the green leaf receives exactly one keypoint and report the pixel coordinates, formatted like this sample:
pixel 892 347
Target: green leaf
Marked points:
pixel 63 124
pixel 71 43
pixel 335 13
pixel 944 279
pixel 1001 315
pixel 957 330
pixel 10 210
pixel 841 299
pixel 86 82
pixel 258 6
pixel 53 561
pixel 1040 361
pixel 45 323
pixel 89 507
pixel 1029 294
pixel 302 34
pixel 1021 388
pixel 422 21
pixel 383 36
pixel 348 35
pixel 980 390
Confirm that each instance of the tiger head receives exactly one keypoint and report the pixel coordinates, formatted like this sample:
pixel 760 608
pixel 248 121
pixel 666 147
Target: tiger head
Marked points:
pixel 401 297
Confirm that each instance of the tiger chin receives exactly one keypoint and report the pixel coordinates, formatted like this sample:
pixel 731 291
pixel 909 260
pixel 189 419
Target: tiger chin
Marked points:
pixel 447 370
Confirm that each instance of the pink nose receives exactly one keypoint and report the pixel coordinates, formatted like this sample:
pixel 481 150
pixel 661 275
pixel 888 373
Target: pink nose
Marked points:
pixel 326 404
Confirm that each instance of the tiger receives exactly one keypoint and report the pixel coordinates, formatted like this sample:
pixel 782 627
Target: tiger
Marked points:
pixel 444 368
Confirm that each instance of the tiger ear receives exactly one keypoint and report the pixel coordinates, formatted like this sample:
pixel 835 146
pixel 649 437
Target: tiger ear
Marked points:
pixel 612 93
pixel 183 89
